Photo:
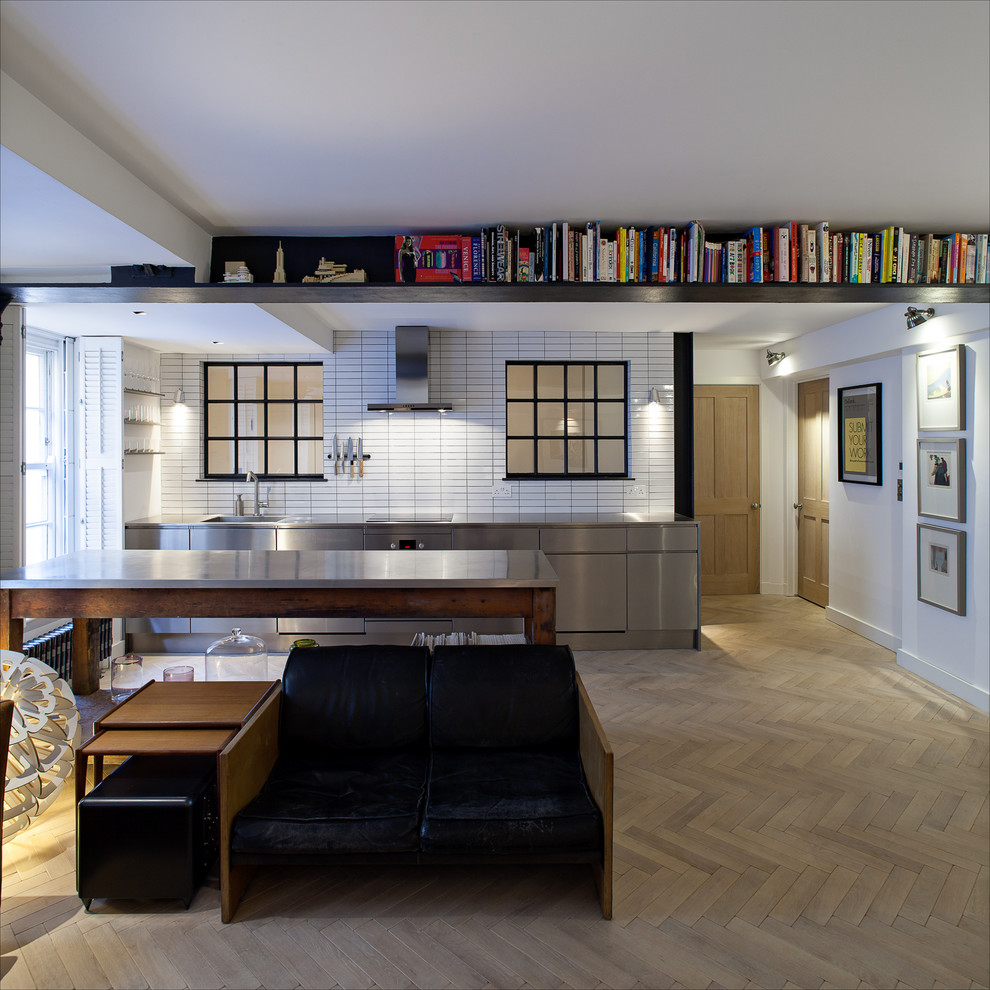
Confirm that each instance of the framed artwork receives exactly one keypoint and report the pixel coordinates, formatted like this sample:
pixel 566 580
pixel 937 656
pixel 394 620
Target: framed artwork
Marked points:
pixel 942 567
pixel 942 479
pixel 860 437
pixel 942 389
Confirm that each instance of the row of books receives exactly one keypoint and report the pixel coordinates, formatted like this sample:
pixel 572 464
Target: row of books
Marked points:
pixel 792 252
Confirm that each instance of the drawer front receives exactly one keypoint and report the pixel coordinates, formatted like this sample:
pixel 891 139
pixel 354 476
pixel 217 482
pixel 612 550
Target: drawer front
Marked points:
pixel 578 539
pixel 396 538
pixel 496 538
pixel 657 538
pixel 313 625
pixel 165 538
pixel 222 625
pixel 232 538
pixel 319 538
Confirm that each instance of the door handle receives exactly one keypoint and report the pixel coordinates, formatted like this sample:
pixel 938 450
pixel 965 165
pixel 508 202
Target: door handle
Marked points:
pixel 799 505
pixel 755 505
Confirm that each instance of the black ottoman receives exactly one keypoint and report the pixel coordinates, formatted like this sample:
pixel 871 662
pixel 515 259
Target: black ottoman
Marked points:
pixel 149 830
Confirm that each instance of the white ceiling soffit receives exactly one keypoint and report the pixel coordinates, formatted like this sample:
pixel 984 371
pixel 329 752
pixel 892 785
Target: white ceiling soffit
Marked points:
pixel 48 229
pixel 301 117
pixel 189 328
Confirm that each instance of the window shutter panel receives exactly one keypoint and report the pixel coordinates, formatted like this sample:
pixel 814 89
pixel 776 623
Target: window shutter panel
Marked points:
pixel 101 443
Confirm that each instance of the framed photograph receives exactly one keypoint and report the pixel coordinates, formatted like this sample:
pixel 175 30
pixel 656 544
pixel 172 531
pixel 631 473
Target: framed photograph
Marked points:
pixel 860 437
pixel 942 567
pixel 942 479
pixel 942 389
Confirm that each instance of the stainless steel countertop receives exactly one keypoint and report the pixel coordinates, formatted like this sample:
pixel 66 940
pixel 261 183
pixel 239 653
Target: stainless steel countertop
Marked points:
pixel 287 568
pixel 457 519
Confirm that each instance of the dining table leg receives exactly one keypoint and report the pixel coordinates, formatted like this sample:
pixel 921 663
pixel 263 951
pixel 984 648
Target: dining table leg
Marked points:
pixel 11 627
pixel 85 656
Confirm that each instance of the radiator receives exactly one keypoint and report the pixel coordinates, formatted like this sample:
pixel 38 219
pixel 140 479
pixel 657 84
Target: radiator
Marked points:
pixel 55 647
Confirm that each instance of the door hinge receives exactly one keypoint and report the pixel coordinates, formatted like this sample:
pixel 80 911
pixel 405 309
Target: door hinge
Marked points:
pixel 23 469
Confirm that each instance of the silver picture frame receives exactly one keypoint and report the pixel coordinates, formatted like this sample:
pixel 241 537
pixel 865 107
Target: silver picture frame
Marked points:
pixel 942 479
pixel 941 378
pixel 942 567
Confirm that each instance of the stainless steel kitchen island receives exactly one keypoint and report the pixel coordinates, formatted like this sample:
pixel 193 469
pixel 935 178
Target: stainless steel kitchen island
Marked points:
pixel 94 584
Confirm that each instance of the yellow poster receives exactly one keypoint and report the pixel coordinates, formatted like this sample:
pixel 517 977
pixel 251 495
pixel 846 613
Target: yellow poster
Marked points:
pixel 856 445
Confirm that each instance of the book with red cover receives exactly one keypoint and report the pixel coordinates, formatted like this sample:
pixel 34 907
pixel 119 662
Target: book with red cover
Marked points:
pixel 427 258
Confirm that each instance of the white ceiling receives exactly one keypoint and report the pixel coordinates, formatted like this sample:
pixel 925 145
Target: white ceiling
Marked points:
pixel 377 117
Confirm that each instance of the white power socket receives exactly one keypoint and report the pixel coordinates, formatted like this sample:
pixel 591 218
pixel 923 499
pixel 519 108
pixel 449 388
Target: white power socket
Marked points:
pixel 501 491
pixel 636 491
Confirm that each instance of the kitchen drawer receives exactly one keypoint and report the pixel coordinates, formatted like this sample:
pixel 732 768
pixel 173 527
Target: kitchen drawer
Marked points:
pixel 579 539
pixel 222 625
pixel 156 538
pixel 314 625
pixel 656 538
pixel 396 538
pixel 386 627
pixel 319 538
pixel 496 538
pixel 252 537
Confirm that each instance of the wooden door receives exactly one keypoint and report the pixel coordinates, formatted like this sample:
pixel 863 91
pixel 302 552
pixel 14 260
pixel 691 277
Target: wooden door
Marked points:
pixel 812 503
pixel 727 487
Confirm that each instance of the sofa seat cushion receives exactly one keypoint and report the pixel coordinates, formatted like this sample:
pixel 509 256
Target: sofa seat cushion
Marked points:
pixel 351 802
pixel 509 802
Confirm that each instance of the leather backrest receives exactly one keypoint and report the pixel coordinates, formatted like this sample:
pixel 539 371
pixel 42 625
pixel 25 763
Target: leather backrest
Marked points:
pixel 353 697
pixel 514 696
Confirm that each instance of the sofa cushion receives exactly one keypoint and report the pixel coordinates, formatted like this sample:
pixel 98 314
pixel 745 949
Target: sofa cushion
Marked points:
pixel 358 802
pixel 503 697
pixel 353 697
pixel 509 802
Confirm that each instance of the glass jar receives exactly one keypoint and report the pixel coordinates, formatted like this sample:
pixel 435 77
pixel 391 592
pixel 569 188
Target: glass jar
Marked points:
pixel 126 676
pixel 237 657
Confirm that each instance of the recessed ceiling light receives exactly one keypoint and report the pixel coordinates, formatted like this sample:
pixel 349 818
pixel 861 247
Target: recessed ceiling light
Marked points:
pixel 218 342
pixel 140 312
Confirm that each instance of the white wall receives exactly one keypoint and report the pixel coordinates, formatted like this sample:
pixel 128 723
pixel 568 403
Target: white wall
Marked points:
pixel 425 461
pixel 873 543
pixel 948 649
pixel 865 521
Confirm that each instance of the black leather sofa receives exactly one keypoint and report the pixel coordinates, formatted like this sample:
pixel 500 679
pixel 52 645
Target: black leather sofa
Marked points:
pixel 386 754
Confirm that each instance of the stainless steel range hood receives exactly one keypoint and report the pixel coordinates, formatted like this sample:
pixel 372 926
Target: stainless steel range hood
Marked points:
pixel 412 373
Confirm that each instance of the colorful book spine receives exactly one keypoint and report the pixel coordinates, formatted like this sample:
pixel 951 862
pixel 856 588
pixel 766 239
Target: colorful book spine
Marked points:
pixel 823 243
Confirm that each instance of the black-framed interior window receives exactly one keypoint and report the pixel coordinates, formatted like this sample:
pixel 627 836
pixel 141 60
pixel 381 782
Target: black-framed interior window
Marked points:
pixel 263 417
pixel 566 419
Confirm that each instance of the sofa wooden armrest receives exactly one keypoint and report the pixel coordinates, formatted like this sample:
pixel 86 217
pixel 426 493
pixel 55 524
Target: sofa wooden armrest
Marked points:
pixel 242 769
pixel 598 761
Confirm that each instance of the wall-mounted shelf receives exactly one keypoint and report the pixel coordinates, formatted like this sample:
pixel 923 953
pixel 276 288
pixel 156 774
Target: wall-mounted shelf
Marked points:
pixel 141 391
pixel 142 451
pixel 496 292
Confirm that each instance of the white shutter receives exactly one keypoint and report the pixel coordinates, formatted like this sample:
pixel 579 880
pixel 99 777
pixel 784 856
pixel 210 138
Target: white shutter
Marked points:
pixel 11 440
pixel 101 443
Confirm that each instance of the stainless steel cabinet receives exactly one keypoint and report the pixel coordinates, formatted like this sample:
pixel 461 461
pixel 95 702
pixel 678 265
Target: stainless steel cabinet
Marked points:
pixel 402 538
pixel 591 565
pixel 496 538
pixel 156 538
pixel 319 538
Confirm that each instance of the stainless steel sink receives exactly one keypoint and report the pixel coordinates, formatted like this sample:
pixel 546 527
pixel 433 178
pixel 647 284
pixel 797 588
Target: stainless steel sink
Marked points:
pixel 253 520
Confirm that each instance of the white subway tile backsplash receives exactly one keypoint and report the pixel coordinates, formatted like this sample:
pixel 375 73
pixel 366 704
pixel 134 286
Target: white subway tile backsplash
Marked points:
pixel 428 462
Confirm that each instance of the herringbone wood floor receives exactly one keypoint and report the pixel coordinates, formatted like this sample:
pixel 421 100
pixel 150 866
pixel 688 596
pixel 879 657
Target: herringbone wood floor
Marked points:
pixel 792 810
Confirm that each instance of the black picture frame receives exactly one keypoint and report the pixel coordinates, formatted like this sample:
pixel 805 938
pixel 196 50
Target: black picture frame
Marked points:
pixel 860 433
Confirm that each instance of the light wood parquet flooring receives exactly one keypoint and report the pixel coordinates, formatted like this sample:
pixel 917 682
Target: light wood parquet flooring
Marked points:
pixel 792 810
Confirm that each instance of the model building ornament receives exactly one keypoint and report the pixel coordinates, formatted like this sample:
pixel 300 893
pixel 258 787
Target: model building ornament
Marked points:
pixel 279 264
pixel 237 271
pixel 331 271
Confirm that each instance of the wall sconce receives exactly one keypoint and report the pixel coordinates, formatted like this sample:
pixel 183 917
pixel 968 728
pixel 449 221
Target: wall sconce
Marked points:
pixel 654 396
pixel 915 317
pixel 774 357
pixel 179 398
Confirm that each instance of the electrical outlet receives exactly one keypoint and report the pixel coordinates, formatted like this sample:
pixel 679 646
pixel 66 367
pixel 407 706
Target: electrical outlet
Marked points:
pixel 501 491
pixel 636 491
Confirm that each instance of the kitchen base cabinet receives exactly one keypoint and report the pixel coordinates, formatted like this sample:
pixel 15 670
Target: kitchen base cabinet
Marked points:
pixel 622 585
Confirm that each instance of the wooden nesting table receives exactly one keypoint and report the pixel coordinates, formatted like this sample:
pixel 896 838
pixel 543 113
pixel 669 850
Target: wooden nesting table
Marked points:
pixel 178 717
